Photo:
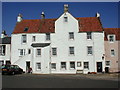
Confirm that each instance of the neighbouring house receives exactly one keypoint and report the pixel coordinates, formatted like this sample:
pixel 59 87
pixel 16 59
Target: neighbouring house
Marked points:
pixel 65 45
pixel 5 47
pixel 112 43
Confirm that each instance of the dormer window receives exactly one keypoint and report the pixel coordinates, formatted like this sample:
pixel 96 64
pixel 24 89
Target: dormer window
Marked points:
pixel 111 38
pixel 26 29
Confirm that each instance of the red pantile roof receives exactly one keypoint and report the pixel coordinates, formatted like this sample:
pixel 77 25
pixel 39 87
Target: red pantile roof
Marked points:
pixel 48 25
pixel 115 31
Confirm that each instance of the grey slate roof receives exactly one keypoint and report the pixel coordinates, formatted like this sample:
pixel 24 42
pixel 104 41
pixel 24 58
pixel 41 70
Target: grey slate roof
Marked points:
pixel 6 40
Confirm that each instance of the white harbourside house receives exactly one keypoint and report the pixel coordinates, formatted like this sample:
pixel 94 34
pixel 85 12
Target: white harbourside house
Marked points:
pixel 66 45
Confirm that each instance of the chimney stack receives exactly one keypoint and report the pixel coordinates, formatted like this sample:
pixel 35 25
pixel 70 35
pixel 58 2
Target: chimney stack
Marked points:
pixel 3 34
pixel 65 8
pixel 97 15
pixel 19 18
pixel 42 15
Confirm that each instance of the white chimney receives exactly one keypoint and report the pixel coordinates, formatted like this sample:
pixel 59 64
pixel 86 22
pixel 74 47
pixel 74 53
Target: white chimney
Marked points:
pixel 42 15
pixel 19 18
pixel 97 15
pixel 65 7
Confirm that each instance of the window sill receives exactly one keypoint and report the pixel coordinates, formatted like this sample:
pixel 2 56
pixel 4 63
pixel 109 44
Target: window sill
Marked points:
pixel 86 69
pixel 89 39
pixel 38 70
pixel 89 54
pixel 71 39
pixel 53 69
pixel 111 41
pixel 72 68
pixel 24 43
pixel 54 56
pixel 38 55
pixel 71 54
pixel 63 69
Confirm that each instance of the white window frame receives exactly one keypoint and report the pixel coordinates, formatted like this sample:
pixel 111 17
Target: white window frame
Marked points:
pixel 89 35
pixel 54 51
pixel 72 66
pixel 86 66
pixel 111 41
pixel 53 67
pixel 24 39
pixel 88 51
pixel 37 52
pixel 71 35
pixel 38 66
pixel 112 52
pixel 21 52
pixel 70 51
pixel 63 67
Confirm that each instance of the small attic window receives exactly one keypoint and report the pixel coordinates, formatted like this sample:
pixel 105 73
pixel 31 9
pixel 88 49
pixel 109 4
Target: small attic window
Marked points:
pixel 65 19
pixel 26 29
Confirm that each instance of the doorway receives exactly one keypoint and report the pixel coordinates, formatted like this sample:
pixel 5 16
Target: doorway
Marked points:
pixel 99 66
pixel 27 65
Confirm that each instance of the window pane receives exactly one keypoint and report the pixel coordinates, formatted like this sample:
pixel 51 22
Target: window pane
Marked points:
pixel 72 65
pixel 113 52
pixel 89 50
pixel 54 51
pixel 0 50
pixel 86 65
pixel 24 38
pixel 111 38
pixel 38 66
pixel 38 51
pixel 22 52
pixel 34 38
pixel 53 66
pixel 107 63
pixel 89 35
pixel 65 19
pixel 71 35
pixel 47 36
pixel 63 65
pixel 71 50
pixel 29 51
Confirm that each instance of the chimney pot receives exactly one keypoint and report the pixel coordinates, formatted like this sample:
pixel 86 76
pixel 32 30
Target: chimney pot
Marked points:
pixel 42 15
pixel 65 7
pixel 97 14
pixel 19 18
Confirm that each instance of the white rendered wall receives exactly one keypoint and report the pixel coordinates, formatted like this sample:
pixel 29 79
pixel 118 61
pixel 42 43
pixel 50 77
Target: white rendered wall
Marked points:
pixel 60 40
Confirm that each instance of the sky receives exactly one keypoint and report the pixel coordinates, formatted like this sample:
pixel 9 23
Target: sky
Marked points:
pixel 32 10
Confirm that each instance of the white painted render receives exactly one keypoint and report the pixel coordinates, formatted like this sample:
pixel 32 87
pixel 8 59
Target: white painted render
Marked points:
pixel 60 40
